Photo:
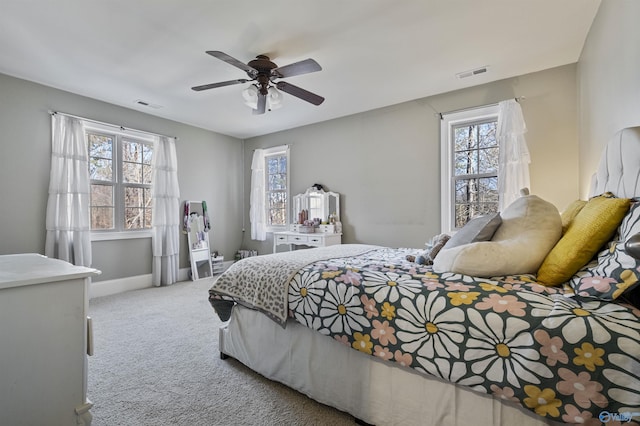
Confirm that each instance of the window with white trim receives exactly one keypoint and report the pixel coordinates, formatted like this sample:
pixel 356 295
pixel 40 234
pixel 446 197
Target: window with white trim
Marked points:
pixel 470 155
pixel 277 187
pixel 120 173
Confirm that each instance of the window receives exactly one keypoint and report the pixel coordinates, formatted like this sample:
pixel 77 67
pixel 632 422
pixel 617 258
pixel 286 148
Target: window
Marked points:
pixel 120 173
pixel 470 155
pixel 277 187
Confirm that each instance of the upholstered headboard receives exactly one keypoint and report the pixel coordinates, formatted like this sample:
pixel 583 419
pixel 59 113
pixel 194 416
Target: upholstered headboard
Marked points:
pixel 619 168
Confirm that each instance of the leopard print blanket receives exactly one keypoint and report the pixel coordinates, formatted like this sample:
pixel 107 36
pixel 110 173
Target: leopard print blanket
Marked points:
pixel 261 282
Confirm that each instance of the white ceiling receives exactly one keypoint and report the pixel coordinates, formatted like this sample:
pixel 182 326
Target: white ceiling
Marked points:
pixel 374 53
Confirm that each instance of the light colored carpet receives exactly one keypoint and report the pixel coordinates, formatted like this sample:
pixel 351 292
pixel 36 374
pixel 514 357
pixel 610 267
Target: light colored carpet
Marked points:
pixel 156 362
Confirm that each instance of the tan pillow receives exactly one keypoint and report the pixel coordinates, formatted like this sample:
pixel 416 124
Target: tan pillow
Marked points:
pixel 592 227
pixel 530 228
pixel 570 213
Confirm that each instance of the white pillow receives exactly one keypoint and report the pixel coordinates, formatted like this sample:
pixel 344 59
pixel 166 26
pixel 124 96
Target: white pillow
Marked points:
pixel 529 230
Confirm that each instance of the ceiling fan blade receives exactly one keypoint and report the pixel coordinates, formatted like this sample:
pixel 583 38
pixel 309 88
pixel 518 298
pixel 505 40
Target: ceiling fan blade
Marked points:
pixel 262 105
pixel 233 61
pixel 297 68
pixel 299 92
pixel 221 84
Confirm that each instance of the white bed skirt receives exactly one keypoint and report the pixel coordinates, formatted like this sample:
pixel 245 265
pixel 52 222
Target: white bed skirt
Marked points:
pixel 369 389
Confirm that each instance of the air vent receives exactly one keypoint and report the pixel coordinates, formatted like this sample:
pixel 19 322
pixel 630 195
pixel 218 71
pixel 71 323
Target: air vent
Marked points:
pixel 471 73
pixel 147 104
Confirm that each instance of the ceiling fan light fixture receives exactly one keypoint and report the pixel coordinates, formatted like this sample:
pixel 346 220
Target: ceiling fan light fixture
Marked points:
pixel 274 98
pixel 250 96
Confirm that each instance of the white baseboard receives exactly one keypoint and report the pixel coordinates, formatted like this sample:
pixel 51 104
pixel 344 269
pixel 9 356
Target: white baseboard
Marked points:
pixel 137 282
pixel 119 285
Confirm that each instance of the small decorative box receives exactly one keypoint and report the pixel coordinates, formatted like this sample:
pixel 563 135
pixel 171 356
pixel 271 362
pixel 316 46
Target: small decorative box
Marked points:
pixel 306 229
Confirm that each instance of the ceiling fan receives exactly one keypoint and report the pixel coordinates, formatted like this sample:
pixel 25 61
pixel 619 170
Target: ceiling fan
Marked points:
pixel 264 73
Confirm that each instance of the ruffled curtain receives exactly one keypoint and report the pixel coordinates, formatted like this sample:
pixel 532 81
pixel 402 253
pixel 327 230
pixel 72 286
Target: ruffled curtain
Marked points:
pixel 68 220
pixel 257 213
pixel 165 221
pixel 514 153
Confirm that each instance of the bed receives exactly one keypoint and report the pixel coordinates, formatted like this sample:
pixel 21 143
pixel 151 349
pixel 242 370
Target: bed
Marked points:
pixel 394 342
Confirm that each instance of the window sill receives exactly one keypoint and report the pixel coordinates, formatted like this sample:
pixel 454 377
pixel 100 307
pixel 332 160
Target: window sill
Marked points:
pixel 125 235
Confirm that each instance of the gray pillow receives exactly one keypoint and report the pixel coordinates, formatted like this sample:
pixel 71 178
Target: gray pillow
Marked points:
pixel 480 228
pixel 529 230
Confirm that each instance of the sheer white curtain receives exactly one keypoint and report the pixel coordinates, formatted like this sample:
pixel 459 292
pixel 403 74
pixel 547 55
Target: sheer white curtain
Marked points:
pixel 165 221
pixel 257 214
pixel 514 153
pixel 68 221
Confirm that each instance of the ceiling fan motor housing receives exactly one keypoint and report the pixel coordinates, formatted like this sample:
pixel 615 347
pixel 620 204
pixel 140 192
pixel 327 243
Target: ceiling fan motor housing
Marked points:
pixel 263 65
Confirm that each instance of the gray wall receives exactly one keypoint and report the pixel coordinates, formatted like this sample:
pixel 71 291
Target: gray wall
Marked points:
pixel 208 169
pixel 386 162
pixel 609 81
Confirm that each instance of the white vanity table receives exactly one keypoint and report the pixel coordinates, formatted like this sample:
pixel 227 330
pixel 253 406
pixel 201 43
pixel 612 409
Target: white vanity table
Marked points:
pixel 317 204
pixel 315 239
pixel 45 337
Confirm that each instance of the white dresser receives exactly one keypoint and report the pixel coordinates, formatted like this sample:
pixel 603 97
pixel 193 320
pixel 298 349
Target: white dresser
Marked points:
pixel 44 340
pixel 315 239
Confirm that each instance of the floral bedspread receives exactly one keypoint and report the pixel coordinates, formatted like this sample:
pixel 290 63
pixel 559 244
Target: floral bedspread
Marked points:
pixel 570 359
pixel 260 282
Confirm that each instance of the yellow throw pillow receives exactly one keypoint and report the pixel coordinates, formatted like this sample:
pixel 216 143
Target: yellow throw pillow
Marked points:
pixel 592 227
pixel 570 213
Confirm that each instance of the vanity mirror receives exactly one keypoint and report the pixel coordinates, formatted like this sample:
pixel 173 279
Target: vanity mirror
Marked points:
pixel 316 204
pixel 315 220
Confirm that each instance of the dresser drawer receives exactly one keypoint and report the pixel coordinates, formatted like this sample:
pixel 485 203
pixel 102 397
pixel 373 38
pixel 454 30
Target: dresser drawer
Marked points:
pixel 315 241
pixel 297 239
